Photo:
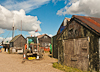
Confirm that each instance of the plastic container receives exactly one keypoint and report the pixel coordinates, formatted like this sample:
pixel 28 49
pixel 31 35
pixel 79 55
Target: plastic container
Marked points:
pixel 37 57
pixel 13 50
pixel 31 58
pixel 6 50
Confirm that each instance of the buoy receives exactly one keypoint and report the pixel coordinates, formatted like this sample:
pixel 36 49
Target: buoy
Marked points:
pixel 24 56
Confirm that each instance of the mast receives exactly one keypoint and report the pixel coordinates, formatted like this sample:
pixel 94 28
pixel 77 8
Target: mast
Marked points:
pixel 13 30
pixel 21 33
pixel 21 26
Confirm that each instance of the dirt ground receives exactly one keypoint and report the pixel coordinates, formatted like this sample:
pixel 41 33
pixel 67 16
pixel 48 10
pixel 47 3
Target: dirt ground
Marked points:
pixel 15 63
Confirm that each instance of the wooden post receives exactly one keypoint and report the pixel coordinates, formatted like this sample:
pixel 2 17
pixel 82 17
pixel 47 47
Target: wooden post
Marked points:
pixel 99 54
pixel 63 43
pixel 58 55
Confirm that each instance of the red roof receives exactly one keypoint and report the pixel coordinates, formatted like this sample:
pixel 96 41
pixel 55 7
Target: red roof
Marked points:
pixel 68 19
pixel 41 35
pixel 92 22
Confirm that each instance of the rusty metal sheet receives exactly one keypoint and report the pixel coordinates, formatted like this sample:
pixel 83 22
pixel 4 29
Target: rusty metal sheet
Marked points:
pixel 93 22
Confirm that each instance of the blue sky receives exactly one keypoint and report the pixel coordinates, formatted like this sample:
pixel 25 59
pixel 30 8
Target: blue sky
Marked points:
pixel 47 15
pixel 44 15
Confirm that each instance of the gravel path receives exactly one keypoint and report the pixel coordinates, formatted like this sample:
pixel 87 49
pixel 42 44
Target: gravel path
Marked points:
pixel 13 63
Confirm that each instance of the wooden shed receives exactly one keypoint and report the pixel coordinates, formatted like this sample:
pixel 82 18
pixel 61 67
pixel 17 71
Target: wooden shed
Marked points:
pixel 18 41
pixel 79 43
pixel 54 38
pixel 44 41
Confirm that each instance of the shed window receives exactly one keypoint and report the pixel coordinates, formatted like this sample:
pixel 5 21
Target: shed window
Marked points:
pixel 46 44
pixel 70 33
pixel 45 36
pixel 84 50
pixel 43 44
pixel 76 32
pixel 11 44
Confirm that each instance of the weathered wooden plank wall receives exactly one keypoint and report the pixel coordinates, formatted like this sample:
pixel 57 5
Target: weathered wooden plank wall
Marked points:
pixel 76 30
pixel 60 52
pixel 54 46
pixel 76 53
pixel 20 42
pixel 43 40
pixel 93 49
pixel 99 54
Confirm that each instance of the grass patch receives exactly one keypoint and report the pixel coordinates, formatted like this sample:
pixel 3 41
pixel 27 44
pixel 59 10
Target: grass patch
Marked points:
pixel 66 69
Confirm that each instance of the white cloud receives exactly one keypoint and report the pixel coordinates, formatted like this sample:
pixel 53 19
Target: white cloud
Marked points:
pixel 29 23
pixel 86 7
pixel 50 35
pixel 65 2
pixel 71 1
pixel 27 5
pixel 7 39
pixel 55 1
pixel 1 39
pixel 33 33
pixel 1 31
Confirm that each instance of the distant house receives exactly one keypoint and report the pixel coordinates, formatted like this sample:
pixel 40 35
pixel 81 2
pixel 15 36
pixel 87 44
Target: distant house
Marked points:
pixel 6 45
pixel 79 43
pixel 44 41
pixel 18 41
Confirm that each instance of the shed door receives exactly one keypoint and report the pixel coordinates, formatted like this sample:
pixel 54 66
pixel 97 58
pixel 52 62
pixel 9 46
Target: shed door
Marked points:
pixel 76 53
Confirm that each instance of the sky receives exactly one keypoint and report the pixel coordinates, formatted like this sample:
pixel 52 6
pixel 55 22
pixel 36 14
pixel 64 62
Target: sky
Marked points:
pixel 45 16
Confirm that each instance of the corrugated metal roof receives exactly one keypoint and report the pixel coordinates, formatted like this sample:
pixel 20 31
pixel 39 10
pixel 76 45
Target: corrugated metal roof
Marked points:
pixel 15 38
pixel 92 22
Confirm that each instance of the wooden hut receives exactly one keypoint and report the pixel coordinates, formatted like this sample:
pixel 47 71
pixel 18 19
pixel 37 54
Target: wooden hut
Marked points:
pixel 79 43
pixel 54 38
pixel 44 41
pixel 18 41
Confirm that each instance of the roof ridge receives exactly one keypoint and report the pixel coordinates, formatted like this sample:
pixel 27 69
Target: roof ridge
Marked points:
pixel 92 22
pixel 85 16
pixel 15 38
